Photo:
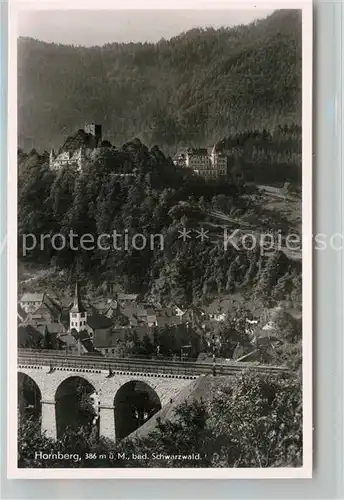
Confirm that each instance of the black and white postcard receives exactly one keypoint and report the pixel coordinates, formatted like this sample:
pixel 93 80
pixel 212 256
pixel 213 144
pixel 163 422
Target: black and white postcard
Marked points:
pixel 160 267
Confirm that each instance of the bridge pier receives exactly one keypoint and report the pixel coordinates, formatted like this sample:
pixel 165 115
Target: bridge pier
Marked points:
pixel 49 418
pixel 107 422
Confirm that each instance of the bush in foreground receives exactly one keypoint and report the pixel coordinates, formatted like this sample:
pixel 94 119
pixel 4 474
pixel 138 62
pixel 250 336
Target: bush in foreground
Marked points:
pixel 253 422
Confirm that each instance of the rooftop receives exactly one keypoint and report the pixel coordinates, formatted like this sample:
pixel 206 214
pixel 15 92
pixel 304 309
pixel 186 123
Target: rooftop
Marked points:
pixel 32 297
pixel 55 328
pixel 198 151
pixel 127 296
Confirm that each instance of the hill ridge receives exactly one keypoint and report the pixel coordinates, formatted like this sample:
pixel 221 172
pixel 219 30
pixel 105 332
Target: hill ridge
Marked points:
pixel 195 88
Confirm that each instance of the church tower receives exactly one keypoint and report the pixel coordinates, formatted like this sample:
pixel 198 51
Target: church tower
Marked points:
pixel 78 313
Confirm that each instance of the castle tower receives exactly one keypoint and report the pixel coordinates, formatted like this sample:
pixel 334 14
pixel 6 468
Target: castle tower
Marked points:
pixel 78 313
pixel 95 130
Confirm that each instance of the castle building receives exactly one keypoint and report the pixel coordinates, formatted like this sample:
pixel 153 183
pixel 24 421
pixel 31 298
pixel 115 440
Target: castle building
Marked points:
pixel 218 161
pixel 77 148
pixel 94 130
pixel 207 162
pixel 66 158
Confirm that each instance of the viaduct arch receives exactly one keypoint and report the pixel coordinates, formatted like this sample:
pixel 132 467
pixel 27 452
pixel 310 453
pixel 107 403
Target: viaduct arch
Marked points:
pixel 72 405
pixel 125 400
pixel 29 398
pixel 134 403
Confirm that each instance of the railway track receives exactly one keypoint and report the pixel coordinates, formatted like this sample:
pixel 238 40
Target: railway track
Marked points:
pixel 57 359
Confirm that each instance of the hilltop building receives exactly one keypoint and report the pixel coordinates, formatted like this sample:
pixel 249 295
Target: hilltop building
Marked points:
pixel 208 162
pixel 77 148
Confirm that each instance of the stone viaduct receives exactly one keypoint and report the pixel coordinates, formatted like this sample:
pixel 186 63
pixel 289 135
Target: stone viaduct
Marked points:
pixel 112 381
pixel 49 377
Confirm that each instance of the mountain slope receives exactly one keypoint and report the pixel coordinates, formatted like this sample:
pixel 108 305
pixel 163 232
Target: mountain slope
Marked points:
pixel 197 87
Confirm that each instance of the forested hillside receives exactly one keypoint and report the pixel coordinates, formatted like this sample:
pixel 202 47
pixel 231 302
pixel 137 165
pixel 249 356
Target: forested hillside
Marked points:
pixel 160 200
pixel 196 88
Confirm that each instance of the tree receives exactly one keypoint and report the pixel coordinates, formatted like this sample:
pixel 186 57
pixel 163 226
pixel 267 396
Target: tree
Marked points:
pixel 259 422
pixel 232 332
pixel 255 421
pixel 268 277
pixel 282 289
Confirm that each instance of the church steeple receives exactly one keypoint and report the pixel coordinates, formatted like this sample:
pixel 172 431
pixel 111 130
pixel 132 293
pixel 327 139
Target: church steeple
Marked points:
pixel 77 303
pixel 78 313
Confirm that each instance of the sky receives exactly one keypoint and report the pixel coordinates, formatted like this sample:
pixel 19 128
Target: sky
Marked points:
pixel 99 27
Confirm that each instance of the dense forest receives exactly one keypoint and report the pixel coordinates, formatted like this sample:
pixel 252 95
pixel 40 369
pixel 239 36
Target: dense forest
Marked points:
pixel 196 88
pixel 160 200
pixel 239 87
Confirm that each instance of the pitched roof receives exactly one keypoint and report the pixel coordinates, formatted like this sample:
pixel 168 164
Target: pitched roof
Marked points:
pixel 128 310
pixel 199 151
pixel 127 296
pixel 151 318
pixel 97 321
pixel 142 331
pixel 88 345
pixel 27 334
pixel 49 306
pixel 82 335
pixel 141 312
pixel 36 316
pixel 66 301
pixel 100 304
pixel 106 338
pixel 150 310
pixel 32 297
pixel 68 339
pixel 55 328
